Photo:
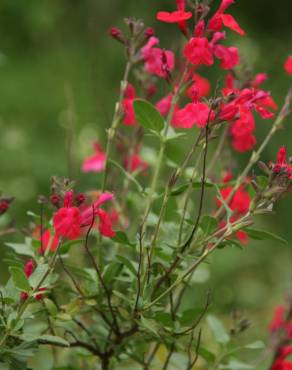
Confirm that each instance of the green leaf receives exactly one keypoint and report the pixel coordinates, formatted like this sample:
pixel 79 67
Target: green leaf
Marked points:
pixel 51 307
pixel 122 238
pixel 189 316
pixel 150 326
pixel 208 224
pixel 128 264
pixel 172 134
pixel 113 269
pixel 264 235
pixel 218 330
pixel 19 279
pixel 206 354
pixel 21 248
pixel 147 115
pixel 53 339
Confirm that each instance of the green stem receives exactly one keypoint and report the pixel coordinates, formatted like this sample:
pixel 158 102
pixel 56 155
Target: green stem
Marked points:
pixel 204 255
pixel 115 122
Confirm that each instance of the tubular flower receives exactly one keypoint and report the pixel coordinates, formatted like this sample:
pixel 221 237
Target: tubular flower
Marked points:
pixel 242 130
pixel 221 19
pixel 134 162
pixel 48 240
pixel 229 56
pixel 95 162
pixel 127 104
pixel 200 88
pixel 198 114
pixel 239 204
pixel 281 166
pixel 163 105
pixel 157 61
pixel 69 220
pixel 199 51
pixel 288 65
pixel 179 16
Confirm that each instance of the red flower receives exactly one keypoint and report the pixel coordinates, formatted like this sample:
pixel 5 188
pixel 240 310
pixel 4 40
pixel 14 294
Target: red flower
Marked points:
pixel 240 201
pixel 164 105
pixel 134 162
pixel 244 144
pixel 228 55
pixel 219 19
pixel 105 225
pixel 127 103
pixel 157 61
pixel 288 65
pixel 114 216
pixel 69 220
pixel 201 87
pixel 180 16
pixel 173 17
pixel 47 240
pixel 28 268
pixel 198 51
pixel 95 162
pixel 193 114
pixel 281 164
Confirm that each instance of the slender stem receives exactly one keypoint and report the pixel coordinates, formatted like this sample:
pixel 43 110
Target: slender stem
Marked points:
pixel 172 181
pixel 157 169
pixel 218 151
pixel 115 122
pixel 187 198
pixel 206 252
pixel 99 274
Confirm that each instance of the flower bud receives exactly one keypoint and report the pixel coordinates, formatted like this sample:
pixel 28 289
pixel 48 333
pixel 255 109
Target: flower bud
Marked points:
pixel 4 206
pixel 55 200
pixel 79 199
pixel 149 32
pixel 117 34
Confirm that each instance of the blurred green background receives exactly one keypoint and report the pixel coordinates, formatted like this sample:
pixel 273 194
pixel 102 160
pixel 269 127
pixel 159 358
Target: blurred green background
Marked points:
pixel 56 54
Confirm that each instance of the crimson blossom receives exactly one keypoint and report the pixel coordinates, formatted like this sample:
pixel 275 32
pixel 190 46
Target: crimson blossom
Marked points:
pixel 95 162
pixel 69 220
pixel 288 65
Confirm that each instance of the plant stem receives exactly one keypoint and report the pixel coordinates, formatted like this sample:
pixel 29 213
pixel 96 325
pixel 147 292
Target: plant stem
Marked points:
pixel 115 122
pixel 206 252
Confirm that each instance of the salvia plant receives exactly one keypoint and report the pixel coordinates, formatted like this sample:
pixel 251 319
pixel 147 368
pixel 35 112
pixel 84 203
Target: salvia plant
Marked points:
pixel 101 277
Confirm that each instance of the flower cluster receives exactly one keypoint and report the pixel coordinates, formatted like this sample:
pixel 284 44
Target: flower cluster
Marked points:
pixel 72 218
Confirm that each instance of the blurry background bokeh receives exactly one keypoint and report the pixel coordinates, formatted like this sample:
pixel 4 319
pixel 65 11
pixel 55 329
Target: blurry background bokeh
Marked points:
pixel 56 54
